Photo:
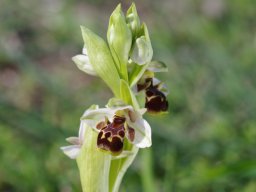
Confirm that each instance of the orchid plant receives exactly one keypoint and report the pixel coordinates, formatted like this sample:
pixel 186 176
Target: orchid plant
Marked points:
pixel 109 138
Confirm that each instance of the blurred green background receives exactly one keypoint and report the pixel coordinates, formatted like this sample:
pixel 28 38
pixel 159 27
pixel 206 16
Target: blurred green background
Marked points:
pixel 207 141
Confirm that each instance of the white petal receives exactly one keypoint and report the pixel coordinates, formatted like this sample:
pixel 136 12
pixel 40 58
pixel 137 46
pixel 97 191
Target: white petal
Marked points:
pixel 101 113
pixel 71 151
pixel 82 130
pixel 84 51
pixel 83 63
pixel 142 52
pixel 93 117
pixel 142 136
pixel 134 115
pixel 142 111
pixel 155 81
pixel 73 140
pixel 157 66
pixel 161 86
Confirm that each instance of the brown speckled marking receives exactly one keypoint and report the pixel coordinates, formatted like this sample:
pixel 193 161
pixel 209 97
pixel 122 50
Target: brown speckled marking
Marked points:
pixel 111 137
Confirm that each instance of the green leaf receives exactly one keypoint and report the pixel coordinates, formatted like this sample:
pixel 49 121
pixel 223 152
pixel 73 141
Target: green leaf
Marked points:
pixel 101 59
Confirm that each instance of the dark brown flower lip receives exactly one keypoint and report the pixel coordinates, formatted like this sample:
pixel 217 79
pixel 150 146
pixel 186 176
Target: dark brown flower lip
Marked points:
pixel 156 104
pixel 155 101
pixel 111 136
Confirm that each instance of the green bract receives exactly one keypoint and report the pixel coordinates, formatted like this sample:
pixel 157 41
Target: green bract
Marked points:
pixel 101 59
pixel 120 40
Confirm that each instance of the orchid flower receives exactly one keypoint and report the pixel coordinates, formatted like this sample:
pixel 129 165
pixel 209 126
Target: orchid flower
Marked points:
pixel 155 93
pixel 155 98
pixel 113 125
pixel 117 123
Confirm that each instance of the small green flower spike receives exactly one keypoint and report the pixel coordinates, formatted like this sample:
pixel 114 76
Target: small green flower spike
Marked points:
pixel 109 137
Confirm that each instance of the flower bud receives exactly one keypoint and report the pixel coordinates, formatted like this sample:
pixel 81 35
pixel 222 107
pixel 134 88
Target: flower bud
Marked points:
pixel 133 20
pixel 119 39
pixel 142 51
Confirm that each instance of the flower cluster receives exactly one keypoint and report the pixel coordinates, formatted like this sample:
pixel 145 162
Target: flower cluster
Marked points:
pixel 125 64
